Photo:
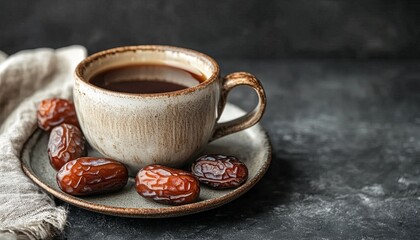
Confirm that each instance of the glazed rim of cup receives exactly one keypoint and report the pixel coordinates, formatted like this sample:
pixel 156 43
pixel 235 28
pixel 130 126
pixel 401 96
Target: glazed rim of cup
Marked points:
pixel 183 58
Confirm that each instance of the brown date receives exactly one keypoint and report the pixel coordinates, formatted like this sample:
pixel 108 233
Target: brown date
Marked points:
pixel 91 175
pixel 66 143
pixel 167 185
pixel 220 171
pixel 55 111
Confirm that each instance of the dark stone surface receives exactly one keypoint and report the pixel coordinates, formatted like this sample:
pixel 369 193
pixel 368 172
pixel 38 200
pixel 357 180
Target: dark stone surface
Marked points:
pixel 223 29
pixel 345 133
pixel 346 149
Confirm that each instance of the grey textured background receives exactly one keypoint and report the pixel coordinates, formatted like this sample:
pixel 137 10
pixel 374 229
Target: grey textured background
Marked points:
pixel 223 29
pixel 344 131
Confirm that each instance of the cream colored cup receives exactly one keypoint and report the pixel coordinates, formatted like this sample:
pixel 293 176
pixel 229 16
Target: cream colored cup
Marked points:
pixel 164 128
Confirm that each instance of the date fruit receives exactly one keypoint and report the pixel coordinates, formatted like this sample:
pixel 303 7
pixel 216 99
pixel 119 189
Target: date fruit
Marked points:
pixel 220 171
pixel 91 175
pixel 55 111
pixel 66 143
pixel 167 185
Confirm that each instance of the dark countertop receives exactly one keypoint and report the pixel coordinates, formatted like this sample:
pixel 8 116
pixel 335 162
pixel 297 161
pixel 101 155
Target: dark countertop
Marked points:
pixel 345 165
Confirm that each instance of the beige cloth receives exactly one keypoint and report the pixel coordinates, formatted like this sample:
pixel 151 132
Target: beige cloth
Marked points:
pixel 26 78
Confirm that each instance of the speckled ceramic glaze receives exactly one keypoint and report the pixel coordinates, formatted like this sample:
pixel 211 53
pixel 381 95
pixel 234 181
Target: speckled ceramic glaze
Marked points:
pixel 164 128
pixel 251 146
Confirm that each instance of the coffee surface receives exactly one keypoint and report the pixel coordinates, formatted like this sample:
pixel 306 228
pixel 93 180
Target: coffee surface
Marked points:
pixel 146 79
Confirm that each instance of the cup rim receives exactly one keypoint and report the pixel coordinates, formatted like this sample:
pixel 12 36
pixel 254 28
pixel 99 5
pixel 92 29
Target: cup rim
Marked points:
pixel 91 58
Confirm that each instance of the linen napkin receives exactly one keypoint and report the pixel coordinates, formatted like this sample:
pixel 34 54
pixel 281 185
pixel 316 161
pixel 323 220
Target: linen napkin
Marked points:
pixel 26 78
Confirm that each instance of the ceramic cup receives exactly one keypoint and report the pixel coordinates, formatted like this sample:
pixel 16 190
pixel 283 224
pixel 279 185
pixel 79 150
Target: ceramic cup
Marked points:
pixel 161 128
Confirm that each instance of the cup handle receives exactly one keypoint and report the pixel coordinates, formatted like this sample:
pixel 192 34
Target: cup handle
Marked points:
pixel 230 81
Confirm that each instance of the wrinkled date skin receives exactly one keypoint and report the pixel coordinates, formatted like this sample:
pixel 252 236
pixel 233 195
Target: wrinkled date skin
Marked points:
pixel 167 185
pixel 91 175
pixel 55 111
pixel 66 143
pixel 220 171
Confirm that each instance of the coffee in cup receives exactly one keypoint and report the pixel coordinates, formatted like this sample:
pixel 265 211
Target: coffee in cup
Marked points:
pixel 146 79
pixel 153 104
